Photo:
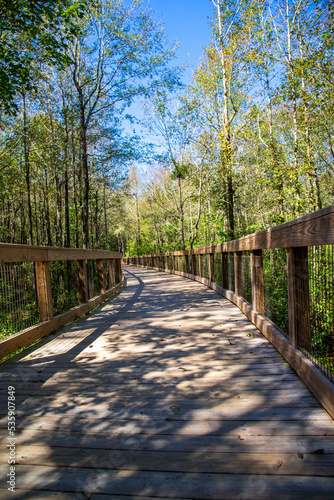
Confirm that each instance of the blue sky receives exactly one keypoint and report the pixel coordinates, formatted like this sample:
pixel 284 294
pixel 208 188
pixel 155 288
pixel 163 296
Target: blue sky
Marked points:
pixel 188 22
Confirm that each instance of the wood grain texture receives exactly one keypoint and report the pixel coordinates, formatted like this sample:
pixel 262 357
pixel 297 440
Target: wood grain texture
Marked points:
pixel 28 253
pixel 168 391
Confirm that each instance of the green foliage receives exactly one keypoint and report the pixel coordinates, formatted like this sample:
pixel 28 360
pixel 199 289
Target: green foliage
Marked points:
pixel 33 30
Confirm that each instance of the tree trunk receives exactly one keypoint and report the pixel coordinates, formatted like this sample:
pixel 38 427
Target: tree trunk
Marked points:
pixel 27 167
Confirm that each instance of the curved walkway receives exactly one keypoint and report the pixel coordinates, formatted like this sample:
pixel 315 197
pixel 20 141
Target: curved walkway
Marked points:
pixel 166 391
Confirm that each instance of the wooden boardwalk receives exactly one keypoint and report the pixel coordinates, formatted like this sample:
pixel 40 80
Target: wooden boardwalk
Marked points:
pixel 166 391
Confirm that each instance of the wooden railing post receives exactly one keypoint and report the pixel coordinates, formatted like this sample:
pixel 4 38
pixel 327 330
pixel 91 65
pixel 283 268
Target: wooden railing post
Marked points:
pixel 111 269
pixel 257 281
pixel 186 260
pixel 299 297
pixel 44 292
pixel 224 269
pixel 193 264
pixel 238 274
pixel 100 275
pixel 201 265
pixel 212 267
pixel 174 262
pixel 167 262
pixel 82 281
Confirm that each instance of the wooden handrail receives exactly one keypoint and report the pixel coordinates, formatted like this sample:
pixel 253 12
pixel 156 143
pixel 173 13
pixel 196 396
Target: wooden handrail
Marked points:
pixel 10 252
pixel 294 236
pixel 41 257
pixel 312 229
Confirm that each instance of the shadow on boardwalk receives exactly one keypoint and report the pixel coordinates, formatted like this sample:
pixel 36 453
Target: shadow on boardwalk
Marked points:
pixel 166 391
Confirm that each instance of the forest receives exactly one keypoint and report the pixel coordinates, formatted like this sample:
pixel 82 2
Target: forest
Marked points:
pixel 247 145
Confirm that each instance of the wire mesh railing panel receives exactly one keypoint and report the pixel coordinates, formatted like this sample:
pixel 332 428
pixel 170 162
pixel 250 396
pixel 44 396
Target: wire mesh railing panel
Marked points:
pixel 321 309
pixel 93 279
pixel 206 266
pixel 18 302
pixel 276 302
pixel 194 265
pixel 218 268
pixel 246 280
pixel 64 286
pixel 106 274
pixel 170 262
pixel 230 272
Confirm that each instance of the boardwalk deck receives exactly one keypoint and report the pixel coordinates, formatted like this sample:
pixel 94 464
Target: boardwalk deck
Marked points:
pixel 166 391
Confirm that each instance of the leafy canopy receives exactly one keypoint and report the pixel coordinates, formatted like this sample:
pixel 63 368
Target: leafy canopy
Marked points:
pixel 33 30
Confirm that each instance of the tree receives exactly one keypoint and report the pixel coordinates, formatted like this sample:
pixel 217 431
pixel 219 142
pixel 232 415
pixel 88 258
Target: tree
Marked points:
pixel 30 30
pixel 123 56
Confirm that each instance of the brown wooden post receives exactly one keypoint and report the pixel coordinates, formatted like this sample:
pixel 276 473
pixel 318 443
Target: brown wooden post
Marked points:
pixel 201 265
pixel 120 269
pixel 193 264
pixel 224 268
pixel 100 275
pixel 186 260
pixel 82 281
pixel 167 262
pixel 212 267
pixel 238 274
pixel 299 298
pixel 174 262
pixel 257 281
pixel 111 268
pixel 44 292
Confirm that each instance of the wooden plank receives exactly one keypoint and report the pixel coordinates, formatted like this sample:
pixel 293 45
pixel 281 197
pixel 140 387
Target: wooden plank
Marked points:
pixel 160 484
pixel 227 442
pixel 193 263
pixel 201 265
pixel 10 252
pixel 206 461
pixel 82 281
pixel 111 272
pixel 100 275
pixel 44 292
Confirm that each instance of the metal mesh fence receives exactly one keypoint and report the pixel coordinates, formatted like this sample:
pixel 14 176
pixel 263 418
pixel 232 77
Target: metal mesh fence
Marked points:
pixel 206 266
pixel 64 286
pixel 170 262
pixel 230 272
pixel 218 268
pixel 246 281
pixel 318 343
pixel 195 263
pixel 276 302
pixel 93 280
pixel 18 304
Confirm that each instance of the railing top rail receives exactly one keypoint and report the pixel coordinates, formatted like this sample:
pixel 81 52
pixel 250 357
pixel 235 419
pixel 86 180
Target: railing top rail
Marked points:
pixel 316 228
pixel 10 252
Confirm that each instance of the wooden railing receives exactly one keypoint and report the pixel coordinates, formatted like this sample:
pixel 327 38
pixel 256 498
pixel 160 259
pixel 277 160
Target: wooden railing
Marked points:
pixel 41 257
pixel 297 237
